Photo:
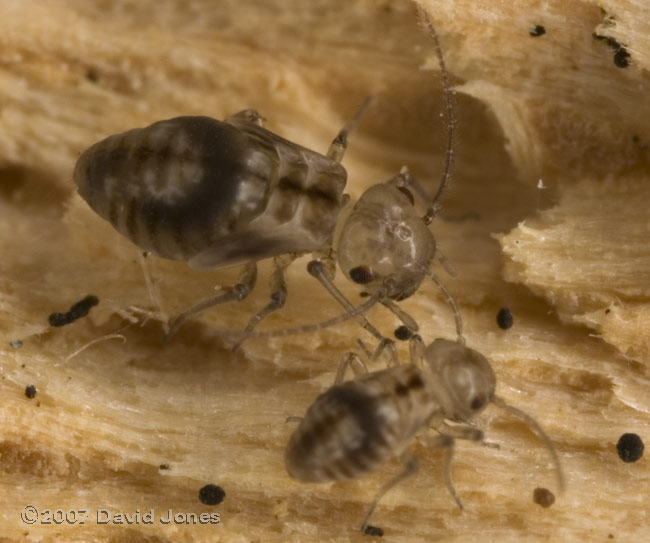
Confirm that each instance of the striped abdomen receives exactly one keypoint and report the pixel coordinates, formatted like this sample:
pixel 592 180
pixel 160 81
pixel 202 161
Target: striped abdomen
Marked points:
pixel 176 186
pixel 215 193
pixel 355 427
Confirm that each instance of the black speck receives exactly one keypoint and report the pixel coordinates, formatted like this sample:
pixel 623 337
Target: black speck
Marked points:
pixel 543 497
pixel 16 343
pixel 30 391
pixel 373 530
pixel 504 318
pixel 622 58
pixel 621 55
pixel 59 319
pixel 211 494
pixel 539 30
pixel 22 365
pixel 610 536
pixel 607 310
pixel 92 75
pixel 163 466
pixel 630 447
pixel 78 310
pixel 403 333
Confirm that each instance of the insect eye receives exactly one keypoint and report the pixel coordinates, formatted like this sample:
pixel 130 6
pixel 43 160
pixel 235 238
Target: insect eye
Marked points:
pixel 478 402
pixel 361 275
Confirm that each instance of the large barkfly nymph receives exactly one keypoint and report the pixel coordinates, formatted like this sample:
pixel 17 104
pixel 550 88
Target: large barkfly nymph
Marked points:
pixel 221 193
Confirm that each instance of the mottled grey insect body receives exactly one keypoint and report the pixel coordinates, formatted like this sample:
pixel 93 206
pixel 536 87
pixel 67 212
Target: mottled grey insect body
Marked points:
pixel 354 427
pixel 211 192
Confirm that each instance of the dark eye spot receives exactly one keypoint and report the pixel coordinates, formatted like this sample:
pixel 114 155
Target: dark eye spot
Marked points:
pixel 361 275
pixel 478 402
pixel 403 333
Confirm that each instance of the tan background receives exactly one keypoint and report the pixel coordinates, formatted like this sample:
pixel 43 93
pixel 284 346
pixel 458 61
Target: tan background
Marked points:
pixel 570 260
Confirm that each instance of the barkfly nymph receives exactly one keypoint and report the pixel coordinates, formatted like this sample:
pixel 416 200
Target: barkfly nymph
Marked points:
pixel 223 193
pixel 356 426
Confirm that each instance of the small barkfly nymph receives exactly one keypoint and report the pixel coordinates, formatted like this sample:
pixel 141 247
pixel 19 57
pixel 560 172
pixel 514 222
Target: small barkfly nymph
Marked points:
pixel 356 426
pixel 223 193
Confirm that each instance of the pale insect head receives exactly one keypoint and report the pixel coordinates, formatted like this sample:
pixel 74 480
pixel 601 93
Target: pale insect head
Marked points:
pixel 384 245
pixel 466 379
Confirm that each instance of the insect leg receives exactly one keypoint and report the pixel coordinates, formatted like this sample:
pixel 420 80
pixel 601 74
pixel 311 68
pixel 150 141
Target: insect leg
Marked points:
pixel 278 284
pixel 238 292
pixel 416 350
pixel 152 290
pixel 446 442
pixel 460 432
pixel 316 268
pixel 401 314
pixel 411 467
pixel 340 142
pixel 250 115
pixel 353 362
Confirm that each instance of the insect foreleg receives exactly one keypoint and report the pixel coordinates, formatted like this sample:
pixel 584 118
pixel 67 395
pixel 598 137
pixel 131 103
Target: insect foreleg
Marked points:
pixel 317 269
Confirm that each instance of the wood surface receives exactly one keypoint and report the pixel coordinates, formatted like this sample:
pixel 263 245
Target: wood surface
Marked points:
pixel 547 215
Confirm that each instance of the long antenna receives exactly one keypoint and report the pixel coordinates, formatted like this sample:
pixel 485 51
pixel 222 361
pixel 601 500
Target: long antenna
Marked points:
pixel 541 433
pixel 435 206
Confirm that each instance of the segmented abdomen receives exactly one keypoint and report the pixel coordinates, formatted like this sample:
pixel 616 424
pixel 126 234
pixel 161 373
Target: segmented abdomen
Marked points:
pixel 353 428
pixel 177 186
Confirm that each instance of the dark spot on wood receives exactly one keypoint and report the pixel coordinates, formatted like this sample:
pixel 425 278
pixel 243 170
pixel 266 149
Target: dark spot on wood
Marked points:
pixel 415 382
pixel 622 58
pixel 539 30
pixel 375 531
pixel 211 494
pixel 30 391
pixel 403 333
pixel 504 318
pixel 163 466
pixel 543 497
pixel 92 75
pixel 630 447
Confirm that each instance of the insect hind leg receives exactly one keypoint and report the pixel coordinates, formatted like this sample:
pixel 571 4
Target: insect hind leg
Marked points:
pixel 278 284
pixel 239 291
pixel 411 466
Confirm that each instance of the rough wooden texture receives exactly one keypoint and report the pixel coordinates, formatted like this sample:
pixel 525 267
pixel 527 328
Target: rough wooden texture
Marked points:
pixel 553 107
